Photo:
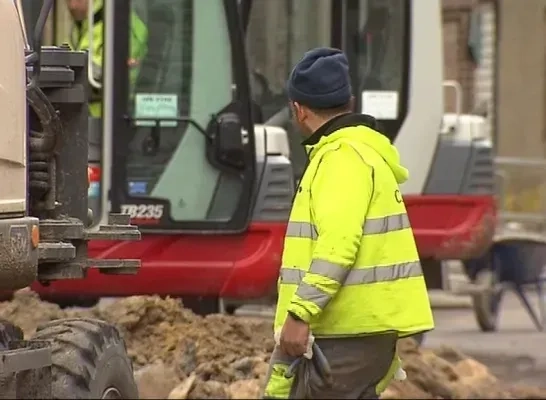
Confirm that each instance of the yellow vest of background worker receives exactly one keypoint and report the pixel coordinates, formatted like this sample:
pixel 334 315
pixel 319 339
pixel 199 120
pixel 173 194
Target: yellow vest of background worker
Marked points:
pixel 79 40
pixel 359 274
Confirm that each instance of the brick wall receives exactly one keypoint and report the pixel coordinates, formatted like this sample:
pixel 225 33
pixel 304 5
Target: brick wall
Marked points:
pixel 458 64
pixel 521 83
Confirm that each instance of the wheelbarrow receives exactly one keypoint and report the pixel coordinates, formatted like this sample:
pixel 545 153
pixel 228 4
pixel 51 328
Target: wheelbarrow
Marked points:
pixel 515 261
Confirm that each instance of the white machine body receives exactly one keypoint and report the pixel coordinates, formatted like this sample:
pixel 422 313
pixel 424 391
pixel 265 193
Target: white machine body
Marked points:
pixel 13 114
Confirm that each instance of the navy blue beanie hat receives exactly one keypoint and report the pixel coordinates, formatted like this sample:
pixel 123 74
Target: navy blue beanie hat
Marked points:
pixel 321 79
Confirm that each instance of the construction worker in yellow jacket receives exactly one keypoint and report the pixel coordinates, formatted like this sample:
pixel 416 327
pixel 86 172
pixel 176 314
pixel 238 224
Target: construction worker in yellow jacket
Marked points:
pixel 351 281
pixel 79 40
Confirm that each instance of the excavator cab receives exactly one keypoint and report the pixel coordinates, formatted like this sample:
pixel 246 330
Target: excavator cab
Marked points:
pixel 183 135
pixel 177 125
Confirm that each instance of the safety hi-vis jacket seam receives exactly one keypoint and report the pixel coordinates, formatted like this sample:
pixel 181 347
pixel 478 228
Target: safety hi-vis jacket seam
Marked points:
pixel 372 226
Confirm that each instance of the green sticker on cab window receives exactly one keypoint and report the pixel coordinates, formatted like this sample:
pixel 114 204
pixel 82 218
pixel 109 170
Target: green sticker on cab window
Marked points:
pixel 151 107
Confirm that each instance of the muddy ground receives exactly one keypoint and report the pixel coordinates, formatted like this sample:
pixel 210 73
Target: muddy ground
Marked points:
pixel 177 354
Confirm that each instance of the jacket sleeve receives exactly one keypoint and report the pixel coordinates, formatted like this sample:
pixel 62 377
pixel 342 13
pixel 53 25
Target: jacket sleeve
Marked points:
pixel 97 59
pixel 138 39
pixel 341 192
pixel 138 49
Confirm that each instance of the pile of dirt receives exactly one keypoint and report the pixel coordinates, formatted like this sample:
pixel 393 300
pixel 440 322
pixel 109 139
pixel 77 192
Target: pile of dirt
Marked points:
pixel 221 356
pixel 213 352
pixel 179 355
pixel 446 373
pixel 28 311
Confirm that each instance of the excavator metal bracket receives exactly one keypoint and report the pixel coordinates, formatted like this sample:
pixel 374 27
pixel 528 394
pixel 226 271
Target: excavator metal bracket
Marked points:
pixel 115 267
pixel 63 250
pixel 63 229
pixel 119 228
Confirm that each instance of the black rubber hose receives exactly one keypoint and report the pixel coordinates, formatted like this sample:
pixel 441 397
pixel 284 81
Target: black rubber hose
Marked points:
pixel 47 6
pixel 42 144
pixel 45 140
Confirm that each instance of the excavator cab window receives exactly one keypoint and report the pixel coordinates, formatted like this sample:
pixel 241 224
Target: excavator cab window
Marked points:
pixel 373 33
pixel 277 35
pixel 183 141
pixel 377 34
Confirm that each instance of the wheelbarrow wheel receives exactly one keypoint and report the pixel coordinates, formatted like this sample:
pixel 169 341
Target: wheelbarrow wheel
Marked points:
pixel 486 304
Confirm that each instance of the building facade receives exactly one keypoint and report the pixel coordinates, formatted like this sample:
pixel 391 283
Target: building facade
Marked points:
pixel 502 69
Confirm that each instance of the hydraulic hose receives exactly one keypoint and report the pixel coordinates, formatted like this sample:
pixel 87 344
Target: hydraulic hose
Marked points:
pixel 42 144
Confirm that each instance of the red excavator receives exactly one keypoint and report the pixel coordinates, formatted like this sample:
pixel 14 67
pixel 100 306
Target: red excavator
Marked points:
pixel 196 149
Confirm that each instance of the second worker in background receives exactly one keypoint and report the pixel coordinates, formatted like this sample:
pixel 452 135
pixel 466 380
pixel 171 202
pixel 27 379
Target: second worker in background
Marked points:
pixel 80 40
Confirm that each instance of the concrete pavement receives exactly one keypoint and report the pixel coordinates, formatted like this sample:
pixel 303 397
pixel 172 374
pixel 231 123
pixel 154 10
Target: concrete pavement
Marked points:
pixel 516 352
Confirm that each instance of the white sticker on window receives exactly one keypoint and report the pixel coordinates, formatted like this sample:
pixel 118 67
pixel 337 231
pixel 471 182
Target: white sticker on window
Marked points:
pixel 156 106
pixel 380 104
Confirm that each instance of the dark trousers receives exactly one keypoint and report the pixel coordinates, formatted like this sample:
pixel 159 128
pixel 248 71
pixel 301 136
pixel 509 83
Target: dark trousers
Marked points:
pixel 358 364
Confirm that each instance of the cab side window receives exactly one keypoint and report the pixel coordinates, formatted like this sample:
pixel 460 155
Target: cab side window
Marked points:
pixel 278 34
pixel 184 78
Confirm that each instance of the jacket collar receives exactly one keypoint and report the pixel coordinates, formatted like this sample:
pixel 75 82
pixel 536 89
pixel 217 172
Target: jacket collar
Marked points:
pixel 340 122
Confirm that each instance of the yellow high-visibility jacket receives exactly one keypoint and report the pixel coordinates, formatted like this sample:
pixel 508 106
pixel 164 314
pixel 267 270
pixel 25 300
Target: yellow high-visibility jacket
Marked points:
pixel 79 40
pixel 350 265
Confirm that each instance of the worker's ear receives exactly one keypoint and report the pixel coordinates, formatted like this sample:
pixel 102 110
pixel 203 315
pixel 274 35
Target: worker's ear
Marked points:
pixel 300 112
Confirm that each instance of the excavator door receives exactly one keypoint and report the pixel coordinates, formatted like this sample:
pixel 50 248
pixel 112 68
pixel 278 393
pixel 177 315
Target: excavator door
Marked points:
pixel 177 142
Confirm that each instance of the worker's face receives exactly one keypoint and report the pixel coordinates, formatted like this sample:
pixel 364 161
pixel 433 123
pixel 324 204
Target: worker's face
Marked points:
pixel 78 9
pixel 301 118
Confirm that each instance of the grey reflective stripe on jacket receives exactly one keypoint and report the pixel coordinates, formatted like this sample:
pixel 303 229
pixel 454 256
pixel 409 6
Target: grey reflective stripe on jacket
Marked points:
pixel 353 276
pixel 302 230
pixel 372 226
pixel 345 276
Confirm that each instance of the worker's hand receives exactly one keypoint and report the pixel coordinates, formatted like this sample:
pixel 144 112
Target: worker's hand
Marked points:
pixel 294 337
